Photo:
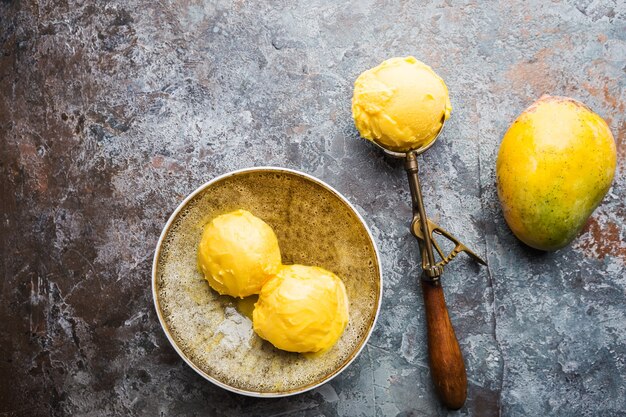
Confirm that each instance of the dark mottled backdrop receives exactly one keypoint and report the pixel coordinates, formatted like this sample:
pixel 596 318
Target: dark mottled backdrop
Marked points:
pixel 111 112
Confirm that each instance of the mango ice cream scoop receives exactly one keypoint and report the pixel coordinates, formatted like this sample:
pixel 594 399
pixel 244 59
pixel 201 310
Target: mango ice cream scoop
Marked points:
pixel 400 104
pixel 302 309
pixel 238 253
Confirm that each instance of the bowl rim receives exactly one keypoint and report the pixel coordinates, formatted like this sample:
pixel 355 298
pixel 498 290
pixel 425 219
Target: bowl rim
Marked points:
pixel 164 326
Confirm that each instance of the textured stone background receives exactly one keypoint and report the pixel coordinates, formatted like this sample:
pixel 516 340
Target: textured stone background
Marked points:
pixel 111 112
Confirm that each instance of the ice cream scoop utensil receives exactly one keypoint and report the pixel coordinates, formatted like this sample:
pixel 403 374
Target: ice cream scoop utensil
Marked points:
pixel 446 361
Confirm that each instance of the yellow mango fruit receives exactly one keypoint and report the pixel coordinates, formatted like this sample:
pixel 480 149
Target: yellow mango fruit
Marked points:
pixel 555 164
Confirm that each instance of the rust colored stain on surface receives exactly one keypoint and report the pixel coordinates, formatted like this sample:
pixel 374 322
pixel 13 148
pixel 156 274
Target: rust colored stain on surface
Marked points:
pixel 601 239
pixel 605 94
pixel 535 73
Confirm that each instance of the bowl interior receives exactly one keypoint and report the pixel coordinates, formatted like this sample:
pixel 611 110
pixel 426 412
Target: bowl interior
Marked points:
pixel 213 333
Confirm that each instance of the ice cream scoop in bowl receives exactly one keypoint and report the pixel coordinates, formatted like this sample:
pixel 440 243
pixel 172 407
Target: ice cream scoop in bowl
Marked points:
pixel 213 333
pixel 401 106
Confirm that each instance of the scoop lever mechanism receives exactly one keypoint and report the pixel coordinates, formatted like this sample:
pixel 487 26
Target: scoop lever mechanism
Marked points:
pixel 432 270
pixel 416 230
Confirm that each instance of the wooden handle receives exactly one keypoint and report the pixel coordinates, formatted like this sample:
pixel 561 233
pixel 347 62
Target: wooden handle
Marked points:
pixel 446 360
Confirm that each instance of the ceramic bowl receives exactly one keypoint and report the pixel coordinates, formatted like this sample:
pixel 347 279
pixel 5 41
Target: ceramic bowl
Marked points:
pixel 315 225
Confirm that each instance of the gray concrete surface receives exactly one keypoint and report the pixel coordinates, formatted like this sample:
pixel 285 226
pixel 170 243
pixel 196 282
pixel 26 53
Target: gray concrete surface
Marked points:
pixel 111 112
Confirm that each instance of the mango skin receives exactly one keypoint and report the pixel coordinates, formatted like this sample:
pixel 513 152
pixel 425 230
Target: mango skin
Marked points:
pixel 555 165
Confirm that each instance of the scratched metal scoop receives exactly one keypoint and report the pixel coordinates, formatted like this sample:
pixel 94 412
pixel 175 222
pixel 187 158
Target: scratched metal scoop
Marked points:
pixel 446 360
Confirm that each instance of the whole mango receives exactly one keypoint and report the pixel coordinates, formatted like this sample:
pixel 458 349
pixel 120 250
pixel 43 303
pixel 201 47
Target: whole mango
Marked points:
pixel 556 162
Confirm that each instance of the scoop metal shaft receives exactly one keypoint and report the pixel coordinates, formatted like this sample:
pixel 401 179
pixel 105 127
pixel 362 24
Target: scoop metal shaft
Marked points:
pixel 423 228
pixel 431 270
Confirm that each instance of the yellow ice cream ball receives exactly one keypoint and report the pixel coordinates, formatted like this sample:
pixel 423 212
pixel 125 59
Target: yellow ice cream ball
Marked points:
pixel 302 309
pixel 401 104
pixel 238 253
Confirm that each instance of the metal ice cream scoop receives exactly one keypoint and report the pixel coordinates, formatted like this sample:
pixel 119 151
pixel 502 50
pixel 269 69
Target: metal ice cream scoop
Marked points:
pixel 446 360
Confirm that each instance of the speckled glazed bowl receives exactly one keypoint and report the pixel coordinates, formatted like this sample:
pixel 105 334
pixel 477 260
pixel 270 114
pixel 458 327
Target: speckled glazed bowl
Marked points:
pixel 315 225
